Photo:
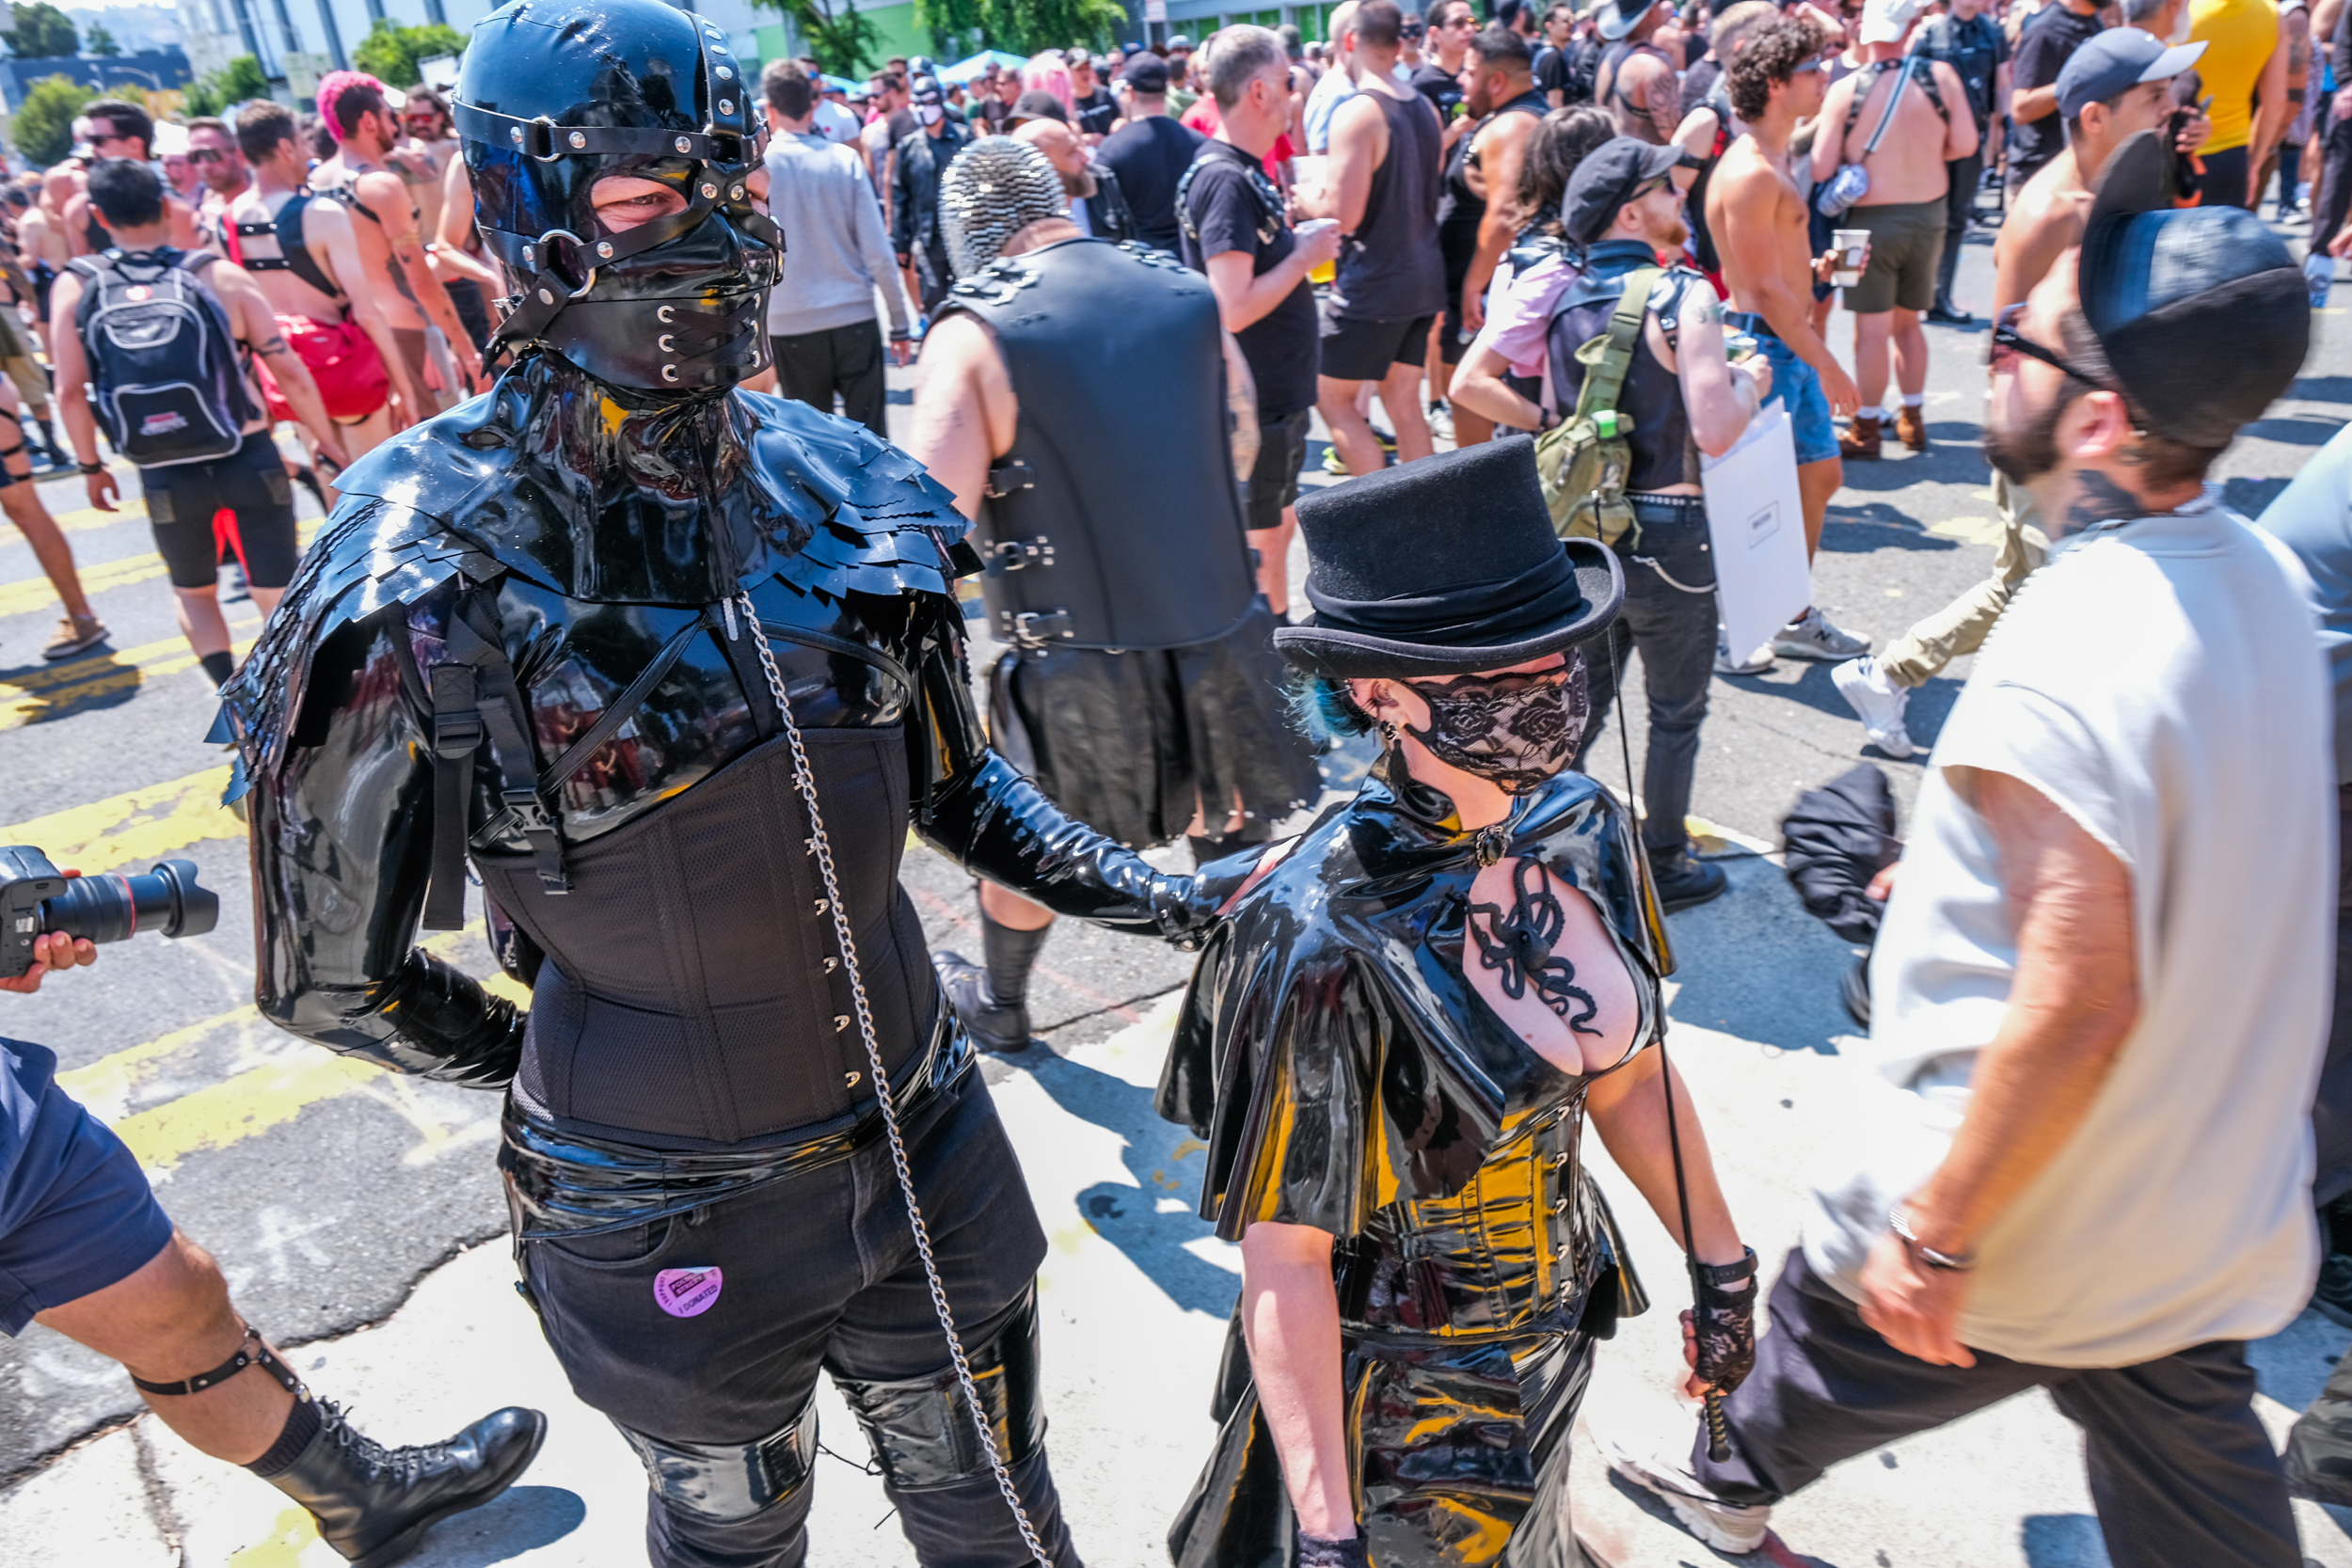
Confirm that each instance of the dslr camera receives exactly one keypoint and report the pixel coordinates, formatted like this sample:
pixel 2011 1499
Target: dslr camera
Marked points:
pixel 37 898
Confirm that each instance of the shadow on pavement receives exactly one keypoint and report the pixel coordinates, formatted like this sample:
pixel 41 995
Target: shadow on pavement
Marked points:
pixel 1878 526
pixel 523 1520
pixel 1152 1221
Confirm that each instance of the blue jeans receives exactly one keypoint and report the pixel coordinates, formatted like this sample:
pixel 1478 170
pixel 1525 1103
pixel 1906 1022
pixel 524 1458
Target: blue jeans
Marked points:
pixel 1670 616
pixel 1798 387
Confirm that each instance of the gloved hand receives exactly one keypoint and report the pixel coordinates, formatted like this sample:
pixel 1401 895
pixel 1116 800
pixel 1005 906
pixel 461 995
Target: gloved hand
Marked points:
pixel 1315 1552
pixel 1722 1329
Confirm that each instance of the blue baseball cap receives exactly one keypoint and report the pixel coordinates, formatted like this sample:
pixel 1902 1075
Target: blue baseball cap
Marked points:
pixel 2116 60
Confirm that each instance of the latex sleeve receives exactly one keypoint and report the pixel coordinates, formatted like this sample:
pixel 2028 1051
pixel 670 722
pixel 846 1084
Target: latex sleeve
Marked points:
pixel 979 810
pixel 342 841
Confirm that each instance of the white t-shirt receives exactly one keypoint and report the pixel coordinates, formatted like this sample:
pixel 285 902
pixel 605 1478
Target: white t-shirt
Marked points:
pixel 835 123
pixel 2163 684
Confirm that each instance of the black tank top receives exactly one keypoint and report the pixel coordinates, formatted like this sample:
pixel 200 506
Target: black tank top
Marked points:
pixel 1391 269
pixel 1651 401
pixel 1461 208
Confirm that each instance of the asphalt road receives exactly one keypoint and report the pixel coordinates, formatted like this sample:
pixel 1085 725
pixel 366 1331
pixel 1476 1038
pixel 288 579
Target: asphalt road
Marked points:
pixel 328 1189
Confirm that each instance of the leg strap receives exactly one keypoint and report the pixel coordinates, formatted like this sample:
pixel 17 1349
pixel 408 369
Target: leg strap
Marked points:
pixel 724 1482
pixel 251 1352
pixel 921 1432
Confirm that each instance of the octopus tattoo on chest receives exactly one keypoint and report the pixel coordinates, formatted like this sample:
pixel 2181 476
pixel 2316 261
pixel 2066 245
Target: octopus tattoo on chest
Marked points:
pixel 1519 941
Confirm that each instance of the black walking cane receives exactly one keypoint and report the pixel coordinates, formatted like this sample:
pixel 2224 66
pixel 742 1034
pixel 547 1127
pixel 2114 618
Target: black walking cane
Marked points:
pixel 1718 1430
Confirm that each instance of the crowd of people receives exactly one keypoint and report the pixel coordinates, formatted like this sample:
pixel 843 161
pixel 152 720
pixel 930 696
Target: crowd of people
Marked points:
pixel 1532 272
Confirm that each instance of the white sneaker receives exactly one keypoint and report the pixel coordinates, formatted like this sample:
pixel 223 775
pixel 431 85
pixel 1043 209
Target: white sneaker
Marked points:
pixel 1876 701
pixel 1754 664
pixel 1726 1526
pixel 1811 636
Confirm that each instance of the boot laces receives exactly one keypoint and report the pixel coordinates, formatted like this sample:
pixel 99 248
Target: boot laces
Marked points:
pixel 404 1464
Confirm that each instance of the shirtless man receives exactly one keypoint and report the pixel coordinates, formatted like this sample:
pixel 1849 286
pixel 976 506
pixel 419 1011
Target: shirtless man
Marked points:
pixel 357 113
pixel 2113 88
pixel 422 159
pixel 1639 86
pixel 1504 98
pixel 1758 218
pixel 1905 213
pixel 120 130
pixel 221 164
pixel 335 285
pixel 183 499
pixel 40 246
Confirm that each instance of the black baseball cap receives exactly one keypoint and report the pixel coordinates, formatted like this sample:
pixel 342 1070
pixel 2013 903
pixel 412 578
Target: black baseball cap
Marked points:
pixel 1610 175
pixel 1037 104
pixel 2202 315
pixel 2116 60
pixel 1145 72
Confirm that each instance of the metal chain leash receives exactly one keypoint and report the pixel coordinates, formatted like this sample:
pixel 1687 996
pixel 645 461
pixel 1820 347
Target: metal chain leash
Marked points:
pixel 805 779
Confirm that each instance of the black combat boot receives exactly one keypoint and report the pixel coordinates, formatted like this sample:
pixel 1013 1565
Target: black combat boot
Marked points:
pixel 1683 881
pixel 373 1504
pixel 993 1002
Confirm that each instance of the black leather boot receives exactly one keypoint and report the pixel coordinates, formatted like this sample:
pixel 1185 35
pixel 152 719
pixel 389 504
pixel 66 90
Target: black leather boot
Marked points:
pixel 1684 882
pixel 1000 1026
pixel 373 1504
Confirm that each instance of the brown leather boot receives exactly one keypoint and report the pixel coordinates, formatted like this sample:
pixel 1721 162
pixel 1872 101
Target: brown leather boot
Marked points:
pixel 1859 441
pixel 1910 427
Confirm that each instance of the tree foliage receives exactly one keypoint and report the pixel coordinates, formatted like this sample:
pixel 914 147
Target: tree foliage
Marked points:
pixel 101 42
pixel 43 123
pixel 43 32
pixel 835 36
pixel 1019 26
pixel 389 52
pixel 213 93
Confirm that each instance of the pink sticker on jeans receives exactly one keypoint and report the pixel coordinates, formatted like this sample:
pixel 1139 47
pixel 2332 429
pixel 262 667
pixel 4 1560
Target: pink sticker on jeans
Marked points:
pixel 687 1293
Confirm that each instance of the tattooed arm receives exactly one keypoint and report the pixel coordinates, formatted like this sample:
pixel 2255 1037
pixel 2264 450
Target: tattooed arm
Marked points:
pixel 1241 402
pixel 257 328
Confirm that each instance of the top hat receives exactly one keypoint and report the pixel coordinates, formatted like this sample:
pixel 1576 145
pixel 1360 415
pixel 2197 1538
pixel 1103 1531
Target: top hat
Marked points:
pixel 1445 567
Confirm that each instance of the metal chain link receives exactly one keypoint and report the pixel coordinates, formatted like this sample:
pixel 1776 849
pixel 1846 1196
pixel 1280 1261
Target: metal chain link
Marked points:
pixel 805 782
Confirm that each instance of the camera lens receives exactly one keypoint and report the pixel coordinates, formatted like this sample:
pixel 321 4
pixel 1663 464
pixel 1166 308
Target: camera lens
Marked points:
pixel 115 907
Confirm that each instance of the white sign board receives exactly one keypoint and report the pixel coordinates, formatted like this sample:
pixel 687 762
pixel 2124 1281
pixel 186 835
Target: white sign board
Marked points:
pixel 1755 521
pixel 1155 10
pixel 438 71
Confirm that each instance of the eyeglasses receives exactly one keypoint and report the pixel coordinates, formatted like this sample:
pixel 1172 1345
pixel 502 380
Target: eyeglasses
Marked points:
pixel 204 157
pixel 2007 344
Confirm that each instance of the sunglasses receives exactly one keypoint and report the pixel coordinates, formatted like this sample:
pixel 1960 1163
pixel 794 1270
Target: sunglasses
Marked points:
pixel 2007 344
pixel 204 157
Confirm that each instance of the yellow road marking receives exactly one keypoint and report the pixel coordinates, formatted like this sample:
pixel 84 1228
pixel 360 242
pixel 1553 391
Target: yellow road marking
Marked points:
pixel 108 1081
pixel 27 595
pixel 239 1107
pixel 137 825
pixel 84 519
pixel 37 694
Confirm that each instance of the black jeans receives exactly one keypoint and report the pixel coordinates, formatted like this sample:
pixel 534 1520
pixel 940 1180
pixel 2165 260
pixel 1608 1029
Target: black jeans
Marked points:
pixel 1960 210
pixel 812 366
pixel 816 1271
pixel 2334 195
pixel 1670 616
pixel 2225 180
pixel 2181 1470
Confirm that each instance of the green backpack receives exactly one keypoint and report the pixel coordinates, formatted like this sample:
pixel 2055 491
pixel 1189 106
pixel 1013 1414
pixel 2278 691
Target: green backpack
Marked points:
pixel 1584 460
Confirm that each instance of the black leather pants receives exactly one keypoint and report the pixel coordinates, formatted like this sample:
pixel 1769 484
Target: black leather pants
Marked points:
pixel 816 1270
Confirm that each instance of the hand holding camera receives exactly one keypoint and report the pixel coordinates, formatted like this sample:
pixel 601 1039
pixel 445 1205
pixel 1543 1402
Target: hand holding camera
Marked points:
pixel 52 918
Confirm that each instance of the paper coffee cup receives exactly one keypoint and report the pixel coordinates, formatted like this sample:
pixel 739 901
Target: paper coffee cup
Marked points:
pixel 1853 253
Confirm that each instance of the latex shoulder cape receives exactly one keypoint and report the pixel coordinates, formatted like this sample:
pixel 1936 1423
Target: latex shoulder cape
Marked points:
pixel 1331 1050
pixel 601 545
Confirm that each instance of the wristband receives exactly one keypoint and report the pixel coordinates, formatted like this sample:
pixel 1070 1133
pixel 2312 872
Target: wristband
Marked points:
pixel 1898 1221
pixel 91 468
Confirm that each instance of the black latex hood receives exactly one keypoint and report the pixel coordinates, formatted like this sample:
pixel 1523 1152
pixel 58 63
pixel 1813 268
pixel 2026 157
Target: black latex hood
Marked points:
pixel 556 95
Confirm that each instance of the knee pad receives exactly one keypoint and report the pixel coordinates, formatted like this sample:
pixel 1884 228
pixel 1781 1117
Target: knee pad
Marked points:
pixel 920 1429
pixel 726 1483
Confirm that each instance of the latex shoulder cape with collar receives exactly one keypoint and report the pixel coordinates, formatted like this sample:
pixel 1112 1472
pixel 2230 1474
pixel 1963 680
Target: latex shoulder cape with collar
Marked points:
pixel 1331 1050
pixel 582 561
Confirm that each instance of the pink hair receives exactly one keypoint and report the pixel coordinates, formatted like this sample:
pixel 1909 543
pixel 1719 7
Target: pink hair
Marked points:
pixel 335 83
pixel 1046 73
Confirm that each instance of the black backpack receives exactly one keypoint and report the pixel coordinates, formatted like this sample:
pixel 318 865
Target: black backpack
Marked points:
pixel 164 374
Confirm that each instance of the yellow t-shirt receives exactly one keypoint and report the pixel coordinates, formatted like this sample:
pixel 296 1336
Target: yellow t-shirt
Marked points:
pixel 2238 36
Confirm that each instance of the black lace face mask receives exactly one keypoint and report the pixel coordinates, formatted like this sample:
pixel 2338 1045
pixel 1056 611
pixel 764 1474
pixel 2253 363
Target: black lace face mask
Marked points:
pixel 1517 730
